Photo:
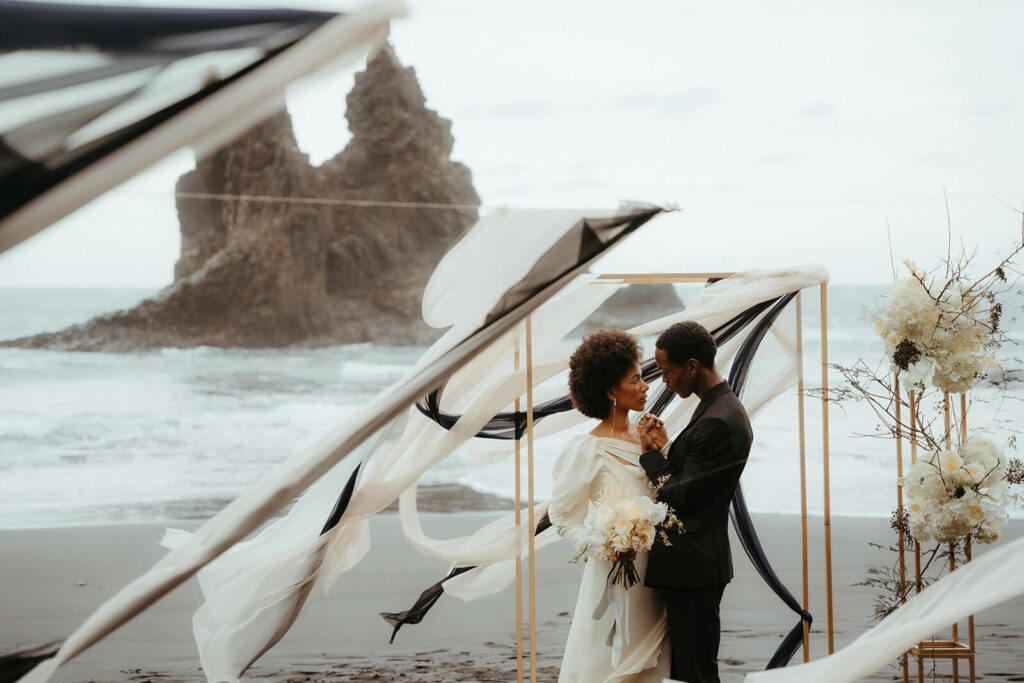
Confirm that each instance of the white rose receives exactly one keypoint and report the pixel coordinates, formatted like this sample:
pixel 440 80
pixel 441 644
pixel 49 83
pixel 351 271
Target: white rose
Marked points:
pixel 620 543
pixel 978 447
pixel 931 488
pixel 630 509
pixel 977 514
pixel 918 375
pixel 987 535
pixel 958 372
pixel 998 491
pixel 974 472
pixel 919 529
pixel 949 461
pixel 990 456
pixel 956 509
pixel 991 528
pixel 993 503
pixel 909 313
pixel 947 524
pixel 922 467
pixel 923 481
pixel 915 508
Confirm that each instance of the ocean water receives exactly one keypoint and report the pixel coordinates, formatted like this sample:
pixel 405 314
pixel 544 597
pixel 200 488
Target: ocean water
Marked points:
pixel 92 438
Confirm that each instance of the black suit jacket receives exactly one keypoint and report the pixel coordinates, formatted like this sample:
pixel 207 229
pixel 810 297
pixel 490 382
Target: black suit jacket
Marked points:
pixel 698 479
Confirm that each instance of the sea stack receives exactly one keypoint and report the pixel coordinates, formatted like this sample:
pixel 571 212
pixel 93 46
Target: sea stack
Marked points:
pixel 276 252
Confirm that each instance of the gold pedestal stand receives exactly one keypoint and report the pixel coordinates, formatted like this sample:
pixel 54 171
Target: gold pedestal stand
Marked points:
pixel 953 649
pixel 943 649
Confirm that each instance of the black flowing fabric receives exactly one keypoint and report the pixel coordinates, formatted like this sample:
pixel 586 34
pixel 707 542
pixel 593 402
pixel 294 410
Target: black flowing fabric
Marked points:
pixel 512 426
pixel 343 501
pixel 17 663
pixel 583 243
pixel 105 59
pixel 744 526
pixel 415 614
pixel 469 335
pixel 741 520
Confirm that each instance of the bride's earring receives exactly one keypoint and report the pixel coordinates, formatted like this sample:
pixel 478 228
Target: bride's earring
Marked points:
pixel 615 405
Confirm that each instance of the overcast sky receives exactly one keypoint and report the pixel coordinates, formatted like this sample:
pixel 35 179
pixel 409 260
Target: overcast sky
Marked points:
pixel 786 132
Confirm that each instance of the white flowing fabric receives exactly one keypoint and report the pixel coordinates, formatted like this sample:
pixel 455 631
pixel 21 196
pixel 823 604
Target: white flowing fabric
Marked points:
pixel 993 578
pixel 232 635
pixel 716 304
pixel 256 590
pixel 640 651
pixel 712 306
pixel 345 37
pixel 212 121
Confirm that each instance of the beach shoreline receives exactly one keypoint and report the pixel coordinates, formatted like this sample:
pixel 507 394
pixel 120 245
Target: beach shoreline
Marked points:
pixel 51 579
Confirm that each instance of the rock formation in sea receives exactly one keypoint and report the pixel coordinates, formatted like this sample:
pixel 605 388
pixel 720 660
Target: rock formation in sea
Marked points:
pixel 257 271
pixel 631 306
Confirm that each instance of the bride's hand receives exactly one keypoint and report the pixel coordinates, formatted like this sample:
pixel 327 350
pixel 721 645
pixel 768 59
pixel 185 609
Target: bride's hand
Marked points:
pixel 652 433
pixel 624 556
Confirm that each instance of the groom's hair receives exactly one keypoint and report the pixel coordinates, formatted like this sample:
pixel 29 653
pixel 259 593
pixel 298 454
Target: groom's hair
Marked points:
pixel 687 340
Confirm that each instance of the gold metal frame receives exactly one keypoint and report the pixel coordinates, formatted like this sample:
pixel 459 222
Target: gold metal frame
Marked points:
pixel 531 521
pixel 825 471
pixel 678 278
pixel 803 472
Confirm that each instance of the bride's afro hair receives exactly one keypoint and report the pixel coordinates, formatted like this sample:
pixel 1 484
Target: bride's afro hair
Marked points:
pixel 597 365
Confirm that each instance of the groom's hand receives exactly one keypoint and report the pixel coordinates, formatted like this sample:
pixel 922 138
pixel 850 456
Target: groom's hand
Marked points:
pixel 652 433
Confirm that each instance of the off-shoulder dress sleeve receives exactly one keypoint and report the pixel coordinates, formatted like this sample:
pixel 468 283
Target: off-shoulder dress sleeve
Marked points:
pixel 575 473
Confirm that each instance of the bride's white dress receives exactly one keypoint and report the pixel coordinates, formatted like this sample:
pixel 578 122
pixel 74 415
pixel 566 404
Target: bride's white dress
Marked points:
pixel 579 476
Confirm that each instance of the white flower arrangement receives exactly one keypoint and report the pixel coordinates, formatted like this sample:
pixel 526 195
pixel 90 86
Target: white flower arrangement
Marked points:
pixel 621 524
pixel 951 494
pixel 940 330
pixel 936 333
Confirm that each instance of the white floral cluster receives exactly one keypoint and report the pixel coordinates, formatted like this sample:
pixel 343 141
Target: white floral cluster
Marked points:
pixel 935 335
pixel 952 493
pixel 622 521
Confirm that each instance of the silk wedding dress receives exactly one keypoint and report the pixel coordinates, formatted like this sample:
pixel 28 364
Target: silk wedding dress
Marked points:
pixel 587 466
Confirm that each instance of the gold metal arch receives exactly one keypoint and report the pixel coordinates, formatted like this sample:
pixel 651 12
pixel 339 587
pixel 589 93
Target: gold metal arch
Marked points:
pixel 530 579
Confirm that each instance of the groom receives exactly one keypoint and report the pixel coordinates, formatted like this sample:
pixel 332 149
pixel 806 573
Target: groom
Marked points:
pixel 697 480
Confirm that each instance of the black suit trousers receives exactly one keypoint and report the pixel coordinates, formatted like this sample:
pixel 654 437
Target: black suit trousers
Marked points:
pixel 694 629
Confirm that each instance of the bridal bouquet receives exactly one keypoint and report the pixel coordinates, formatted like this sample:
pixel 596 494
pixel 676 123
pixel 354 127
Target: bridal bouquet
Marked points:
pixel 620 525
pixel 955 492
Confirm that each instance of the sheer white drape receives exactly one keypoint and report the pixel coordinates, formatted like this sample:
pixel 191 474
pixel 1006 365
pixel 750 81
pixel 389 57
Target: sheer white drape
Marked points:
pixel 773 373
pixel 341 39
pixel 993 578
pixel 257 589
pixel 281 591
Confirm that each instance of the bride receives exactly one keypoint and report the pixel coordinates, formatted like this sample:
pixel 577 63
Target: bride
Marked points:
pixel 605 383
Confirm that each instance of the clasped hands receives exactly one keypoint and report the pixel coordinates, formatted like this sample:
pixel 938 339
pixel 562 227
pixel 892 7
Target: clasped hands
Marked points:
pixel 652 433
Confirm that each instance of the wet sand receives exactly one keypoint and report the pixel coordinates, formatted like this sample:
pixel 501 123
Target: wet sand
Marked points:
pixel 51 579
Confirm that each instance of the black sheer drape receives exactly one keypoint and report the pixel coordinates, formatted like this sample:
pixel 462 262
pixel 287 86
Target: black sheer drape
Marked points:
pixel 512 426
pixel 16 663
pixel 741 520
pixel 133 40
